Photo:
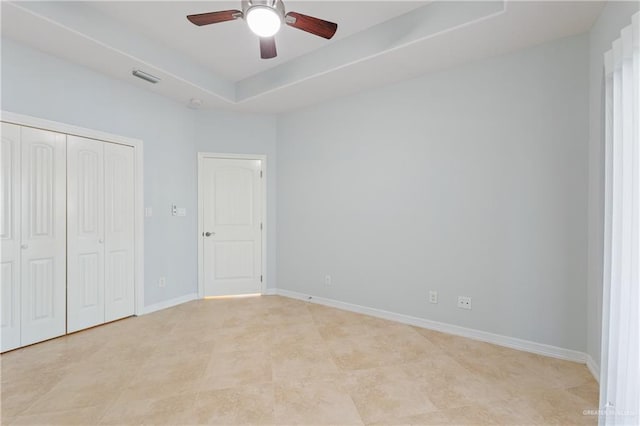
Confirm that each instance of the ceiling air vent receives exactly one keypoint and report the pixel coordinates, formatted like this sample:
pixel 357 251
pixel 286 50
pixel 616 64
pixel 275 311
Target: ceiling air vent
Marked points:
pixel 145 76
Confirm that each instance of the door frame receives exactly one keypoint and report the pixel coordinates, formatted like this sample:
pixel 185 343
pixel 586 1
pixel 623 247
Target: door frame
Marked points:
pixel 137 145
pixel 263 215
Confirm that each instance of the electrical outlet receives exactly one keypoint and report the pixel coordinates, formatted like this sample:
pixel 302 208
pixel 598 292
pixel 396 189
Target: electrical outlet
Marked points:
pixel 162 282
pixel 433 296
pixel 327 280
pixel 464 302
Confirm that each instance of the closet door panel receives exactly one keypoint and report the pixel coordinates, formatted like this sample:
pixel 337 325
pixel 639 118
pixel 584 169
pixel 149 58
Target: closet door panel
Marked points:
pixel 43 246
pixel 119 231
pixel 85 233
pixel 10 237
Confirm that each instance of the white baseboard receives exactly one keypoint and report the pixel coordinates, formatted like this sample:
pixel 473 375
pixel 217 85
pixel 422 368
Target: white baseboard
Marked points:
pixel 270 292
pixel 484 336
pixel 593 368
pixel 169 303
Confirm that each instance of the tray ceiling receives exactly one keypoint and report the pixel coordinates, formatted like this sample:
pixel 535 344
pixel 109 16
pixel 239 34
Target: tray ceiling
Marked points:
pixel 377 42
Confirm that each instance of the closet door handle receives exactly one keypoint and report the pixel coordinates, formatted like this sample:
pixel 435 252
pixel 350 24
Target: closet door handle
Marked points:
pixel 100 241
pixel 24 246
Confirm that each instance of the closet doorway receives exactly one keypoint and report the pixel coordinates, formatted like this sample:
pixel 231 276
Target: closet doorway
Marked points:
pixel 71 229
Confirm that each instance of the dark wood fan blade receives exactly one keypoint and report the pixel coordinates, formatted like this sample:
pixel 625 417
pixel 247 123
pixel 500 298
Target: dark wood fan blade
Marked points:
pixel 268 47
pixel 311 25
pixel 214 17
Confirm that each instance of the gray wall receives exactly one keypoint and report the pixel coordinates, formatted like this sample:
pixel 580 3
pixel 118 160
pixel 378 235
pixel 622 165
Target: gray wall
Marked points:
pixel 471 181
pixel 40 85
pixel 614 17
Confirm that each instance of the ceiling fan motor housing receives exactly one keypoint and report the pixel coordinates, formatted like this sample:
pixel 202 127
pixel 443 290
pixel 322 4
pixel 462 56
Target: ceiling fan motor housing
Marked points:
pixel 276 5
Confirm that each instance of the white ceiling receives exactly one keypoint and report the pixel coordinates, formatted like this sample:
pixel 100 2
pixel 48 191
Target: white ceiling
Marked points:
pixel 377 42
pixel 230 49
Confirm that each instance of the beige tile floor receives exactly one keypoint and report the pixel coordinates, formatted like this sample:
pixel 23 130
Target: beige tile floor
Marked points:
pixel 273 360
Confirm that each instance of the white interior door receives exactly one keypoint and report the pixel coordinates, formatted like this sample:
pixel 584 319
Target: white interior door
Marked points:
pixel 232 240
pixel 43 235
pixel 85 233
pixel 119 231
pixel 10 236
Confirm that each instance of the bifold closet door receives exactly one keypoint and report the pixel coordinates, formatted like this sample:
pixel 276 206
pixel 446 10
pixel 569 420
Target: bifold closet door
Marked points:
pixel 85 233
pixel 43 247
pixel 119 231
pixel 10 236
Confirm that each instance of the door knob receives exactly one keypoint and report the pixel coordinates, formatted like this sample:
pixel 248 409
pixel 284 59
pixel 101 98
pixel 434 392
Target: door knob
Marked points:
pixel 24 246
pixel 208 234
pixel 100 241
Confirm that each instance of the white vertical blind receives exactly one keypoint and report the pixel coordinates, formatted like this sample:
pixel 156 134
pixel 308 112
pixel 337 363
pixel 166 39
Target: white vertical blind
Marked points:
pixel 620 377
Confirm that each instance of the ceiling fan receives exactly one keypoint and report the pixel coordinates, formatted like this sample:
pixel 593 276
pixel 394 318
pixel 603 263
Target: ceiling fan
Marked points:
pixel 264 18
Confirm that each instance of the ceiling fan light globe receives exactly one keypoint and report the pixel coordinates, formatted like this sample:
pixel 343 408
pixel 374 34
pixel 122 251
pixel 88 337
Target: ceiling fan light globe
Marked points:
pixel 264 21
